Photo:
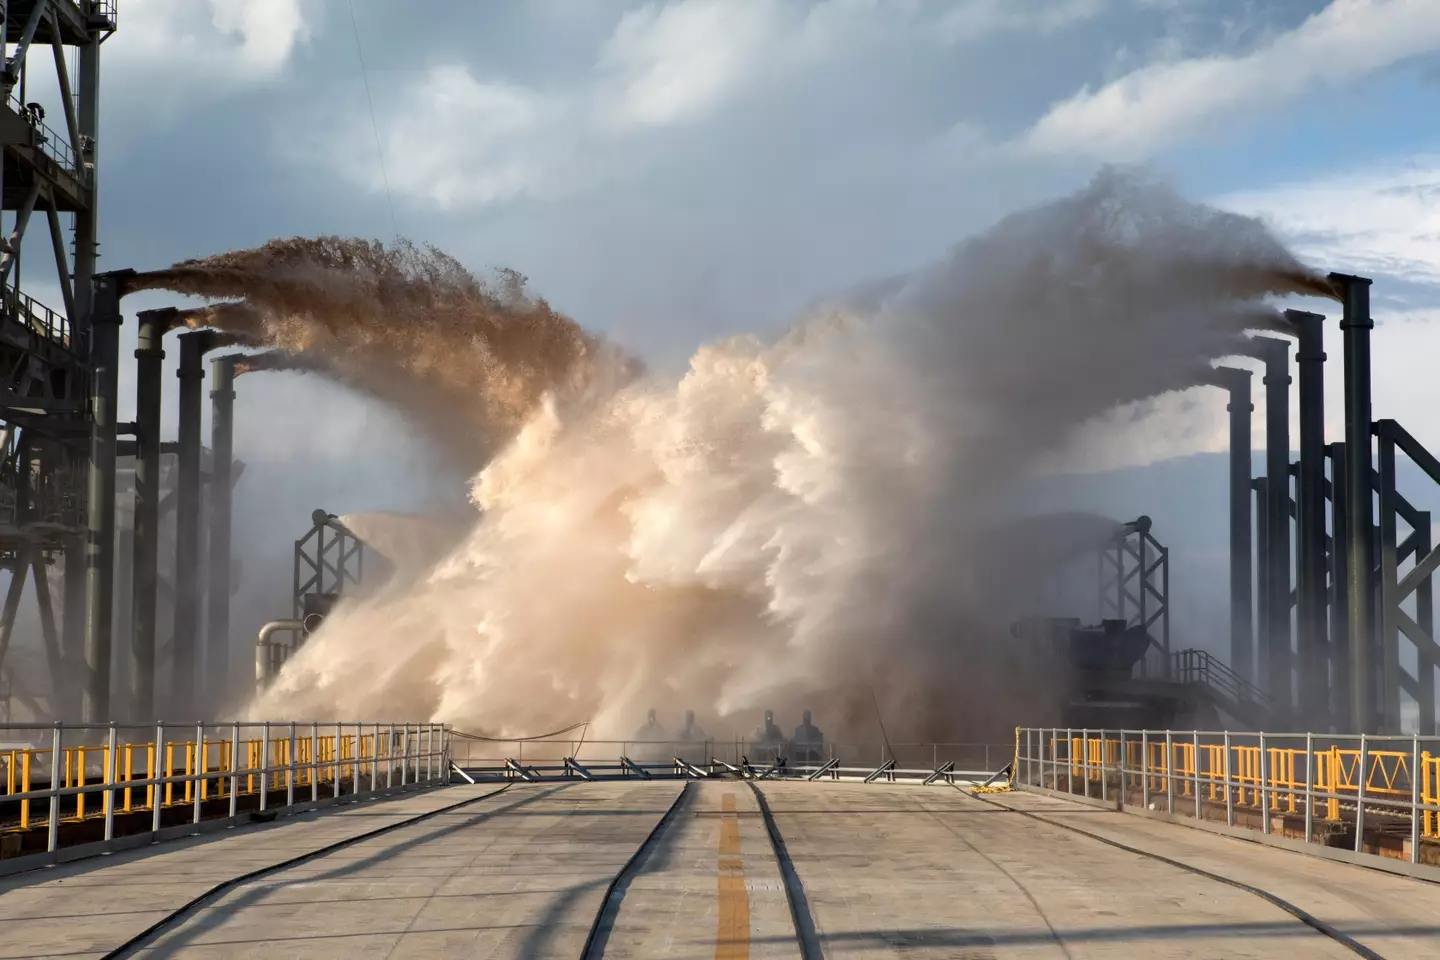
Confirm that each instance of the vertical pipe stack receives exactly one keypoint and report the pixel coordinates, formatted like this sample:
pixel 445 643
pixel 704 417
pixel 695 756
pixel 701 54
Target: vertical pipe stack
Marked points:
pixel 1275 659
pixel 187 517
pixel 149 363
pixel 1355 326
pixel 1340 710
pixel 1313 641
pixel 222 450
pixel 1237 383
pixel 104 330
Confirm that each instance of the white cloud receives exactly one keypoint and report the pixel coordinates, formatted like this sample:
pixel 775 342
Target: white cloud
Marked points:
pixel 1383 221
pixel 675 61
pixel 463 142
pixel 1164 102
pixel 972 20
pixel 210 43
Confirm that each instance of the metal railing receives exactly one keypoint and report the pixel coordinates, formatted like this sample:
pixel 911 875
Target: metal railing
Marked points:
pixel 597 759
pixel 1374 794
pixel 21 308
pixel 63 778
pixel 1198 666
pixel 55 146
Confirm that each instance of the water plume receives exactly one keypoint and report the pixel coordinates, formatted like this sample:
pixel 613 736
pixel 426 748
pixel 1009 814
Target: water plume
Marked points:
pixel 810 522
pixel 467 359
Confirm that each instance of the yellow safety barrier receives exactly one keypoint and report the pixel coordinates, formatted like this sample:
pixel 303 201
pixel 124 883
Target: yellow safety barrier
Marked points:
pixel 211 769
pixel 1276 785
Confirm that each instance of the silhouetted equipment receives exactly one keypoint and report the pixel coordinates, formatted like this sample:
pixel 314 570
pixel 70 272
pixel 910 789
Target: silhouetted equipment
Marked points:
pixel 316 607
pixel 652 730
pixel 1095 676
pixel 692 732
pixel 809 741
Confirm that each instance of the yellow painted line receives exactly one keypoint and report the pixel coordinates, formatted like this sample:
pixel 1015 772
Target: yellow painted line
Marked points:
pixel 732 926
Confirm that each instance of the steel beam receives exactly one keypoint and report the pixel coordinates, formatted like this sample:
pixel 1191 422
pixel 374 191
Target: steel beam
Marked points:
pixel 1313 644
pixel 104 329
pixel 1355 326
pixel 149 367
pixel 1340 707
pixel 222 452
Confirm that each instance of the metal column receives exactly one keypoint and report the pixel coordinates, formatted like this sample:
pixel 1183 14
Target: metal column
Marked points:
pixel 1312 645
pixel 1275 656
pixel 193 347
pixel 104 330
pixel 1237 383
pixel 222 451
pixel 149 364
pixel 1340 708
pixel 1356 325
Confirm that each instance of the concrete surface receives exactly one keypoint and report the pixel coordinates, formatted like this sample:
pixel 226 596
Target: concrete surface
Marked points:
pixel 929 872
pixel 1395 916
pixel 887 870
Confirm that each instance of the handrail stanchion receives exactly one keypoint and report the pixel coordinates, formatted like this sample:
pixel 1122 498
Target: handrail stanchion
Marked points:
pixel 1360 779
pixel 159 786
pixel 1229 784
pixel 1415 775
pixel 290 768
pixel 390 759
pixel 1145 768
pixel 405 757
pixel 52 840
pixel 1309 786
pixel 264 762
pixel 314 763
pixel 1264 786
pixel 1169 773
pixel 111 741
pixel 1195 769
pixel 336 757
pixel 201 768
pixel 234 769
pixel 1085 759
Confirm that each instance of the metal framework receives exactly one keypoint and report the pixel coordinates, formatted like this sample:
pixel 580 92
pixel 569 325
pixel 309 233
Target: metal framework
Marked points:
pixel 327 566
pixel 47 355
pixel 1134 584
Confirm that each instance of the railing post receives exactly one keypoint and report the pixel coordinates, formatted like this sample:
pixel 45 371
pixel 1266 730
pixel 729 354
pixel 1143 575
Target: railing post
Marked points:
pixel 52 841
pixel 1195 764
pixel 1264 786
pixel 201 768
pixel 1169 772
pixel 1145 768
pixel 1360 778
pixel 339 739
pixel 314 762
pixel 111 742
pixel 1085 758
pixel 264 762
pixel 390 758
pixel 159 802
pixel 1416 772
pixel 405 757
pixel 1124 792
pixel 234 769
pixel 1229 785
pixel 1309 786
pixel 290 768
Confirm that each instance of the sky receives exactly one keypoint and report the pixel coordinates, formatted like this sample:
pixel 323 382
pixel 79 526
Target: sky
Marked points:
pixel 670 172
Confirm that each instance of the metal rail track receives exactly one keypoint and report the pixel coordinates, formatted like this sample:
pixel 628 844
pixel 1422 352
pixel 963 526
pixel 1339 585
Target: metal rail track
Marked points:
pixel 609 910
pixel 147 936
pixel 1311 921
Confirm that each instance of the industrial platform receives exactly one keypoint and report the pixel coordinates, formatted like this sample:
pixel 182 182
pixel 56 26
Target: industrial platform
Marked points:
pixel 861 870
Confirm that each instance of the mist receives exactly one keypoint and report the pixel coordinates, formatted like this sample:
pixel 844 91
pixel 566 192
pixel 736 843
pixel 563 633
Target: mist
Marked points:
pixel 807 518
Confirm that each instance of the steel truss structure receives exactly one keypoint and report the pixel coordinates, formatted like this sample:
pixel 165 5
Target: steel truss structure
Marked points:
pixel 1134 586
pixel 47 396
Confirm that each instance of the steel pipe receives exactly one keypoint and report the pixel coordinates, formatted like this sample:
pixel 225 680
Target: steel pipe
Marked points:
pixel 222 452
pixel 1275 655
pixel 149 364
pixel 1313 642
pixel 1237 383
pixel 1355 326
pixel 264 658
pixel 103 324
